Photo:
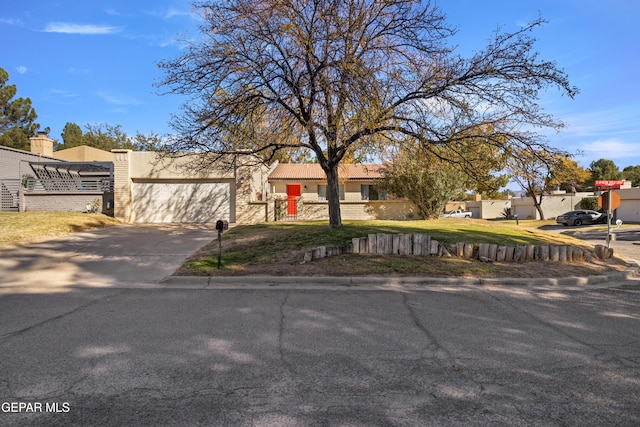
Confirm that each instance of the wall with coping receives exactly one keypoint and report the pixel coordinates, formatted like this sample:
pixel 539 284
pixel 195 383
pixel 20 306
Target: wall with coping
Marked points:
pixel 65 202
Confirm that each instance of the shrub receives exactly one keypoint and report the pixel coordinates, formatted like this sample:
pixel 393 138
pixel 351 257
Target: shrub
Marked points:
pixel 590 203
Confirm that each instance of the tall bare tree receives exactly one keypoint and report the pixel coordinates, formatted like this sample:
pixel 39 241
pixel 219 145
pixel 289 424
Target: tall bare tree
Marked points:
pixel 334 76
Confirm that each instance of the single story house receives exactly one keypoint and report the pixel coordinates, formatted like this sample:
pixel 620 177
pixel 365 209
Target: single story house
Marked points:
pixel 150 187
pixel 304 189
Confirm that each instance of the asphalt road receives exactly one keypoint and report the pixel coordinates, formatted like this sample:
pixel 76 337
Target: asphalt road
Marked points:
pixel 434 355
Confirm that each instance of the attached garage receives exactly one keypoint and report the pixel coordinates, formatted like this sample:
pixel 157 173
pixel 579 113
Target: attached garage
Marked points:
pixel 629 210
pixel 182 201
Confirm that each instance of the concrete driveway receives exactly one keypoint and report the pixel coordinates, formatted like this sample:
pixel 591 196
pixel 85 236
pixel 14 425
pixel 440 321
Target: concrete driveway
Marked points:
pixel 122 254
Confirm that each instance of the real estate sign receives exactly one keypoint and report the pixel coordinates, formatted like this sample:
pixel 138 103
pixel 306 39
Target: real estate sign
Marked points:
pixel 608 184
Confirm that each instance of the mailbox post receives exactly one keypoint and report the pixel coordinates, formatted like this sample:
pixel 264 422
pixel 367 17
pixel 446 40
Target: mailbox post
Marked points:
pixel 220 226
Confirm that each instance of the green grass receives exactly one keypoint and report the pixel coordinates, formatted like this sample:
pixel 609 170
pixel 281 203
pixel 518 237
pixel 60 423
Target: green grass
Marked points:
pixel 18 228
pixel 278 246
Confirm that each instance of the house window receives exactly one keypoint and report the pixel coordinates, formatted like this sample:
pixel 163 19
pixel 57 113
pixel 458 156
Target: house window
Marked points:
pixel 322 192
pixel 371 192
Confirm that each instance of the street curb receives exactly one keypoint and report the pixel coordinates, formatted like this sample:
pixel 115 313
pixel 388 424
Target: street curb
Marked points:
pixel 217 282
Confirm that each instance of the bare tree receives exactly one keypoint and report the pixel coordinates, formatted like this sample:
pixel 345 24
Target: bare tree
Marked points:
pixel 336 76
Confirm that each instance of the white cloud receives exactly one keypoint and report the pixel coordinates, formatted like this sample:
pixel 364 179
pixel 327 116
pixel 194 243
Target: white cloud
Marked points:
pixel 175 12
pixel 61 96
pixel 170 13
pixel 69 28
pixel 11 21
pixel 613 121
pixel 22 69
pixel 165 42
pixel 61 93
pixel 612 148
pixel 118 99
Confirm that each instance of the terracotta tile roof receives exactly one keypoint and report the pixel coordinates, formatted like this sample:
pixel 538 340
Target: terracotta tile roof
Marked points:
pixel 313 171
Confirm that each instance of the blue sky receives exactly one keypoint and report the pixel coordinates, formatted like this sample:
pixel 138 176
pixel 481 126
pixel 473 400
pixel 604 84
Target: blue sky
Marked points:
pixel 96 62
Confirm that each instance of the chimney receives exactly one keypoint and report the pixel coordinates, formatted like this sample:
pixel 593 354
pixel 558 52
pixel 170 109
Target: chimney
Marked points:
pixel 42 144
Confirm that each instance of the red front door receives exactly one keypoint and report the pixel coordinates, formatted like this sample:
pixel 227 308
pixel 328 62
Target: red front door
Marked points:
pixel 293 192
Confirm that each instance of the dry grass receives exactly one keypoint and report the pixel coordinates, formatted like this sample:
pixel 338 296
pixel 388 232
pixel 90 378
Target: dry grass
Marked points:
pixel 278 248
pixel 28 227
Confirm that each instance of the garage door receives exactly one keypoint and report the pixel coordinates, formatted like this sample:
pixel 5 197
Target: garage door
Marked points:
pixel 181 202
pixel 629 211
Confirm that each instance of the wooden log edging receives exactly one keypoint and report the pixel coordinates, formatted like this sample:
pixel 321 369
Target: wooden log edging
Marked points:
pixel 423 245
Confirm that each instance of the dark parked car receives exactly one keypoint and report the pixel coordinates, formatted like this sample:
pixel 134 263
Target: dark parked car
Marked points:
pixel 581 217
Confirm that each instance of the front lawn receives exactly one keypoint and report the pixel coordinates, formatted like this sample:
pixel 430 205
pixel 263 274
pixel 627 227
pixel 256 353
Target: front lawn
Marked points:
pixel 17 228
pixel 278 248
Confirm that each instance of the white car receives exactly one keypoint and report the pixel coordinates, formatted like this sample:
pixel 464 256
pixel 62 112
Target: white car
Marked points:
pixel 457 213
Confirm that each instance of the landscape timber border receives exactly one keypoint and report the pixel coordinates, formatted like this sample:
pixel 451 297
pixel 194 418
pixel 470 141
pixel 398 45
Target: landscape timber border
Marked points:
pixel 423 245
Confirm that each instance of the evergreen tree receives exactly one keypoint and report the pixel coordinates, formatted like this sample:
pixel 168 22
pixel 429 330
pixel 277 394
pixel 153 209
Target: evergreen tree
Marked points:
pixel 17 116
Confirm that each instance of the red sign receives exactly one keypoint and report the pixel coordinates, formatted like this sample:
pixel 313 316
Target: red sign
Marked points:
pixel 608 183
